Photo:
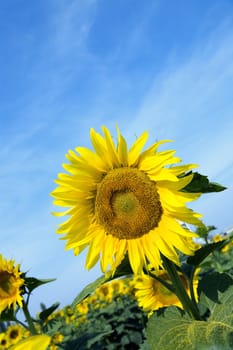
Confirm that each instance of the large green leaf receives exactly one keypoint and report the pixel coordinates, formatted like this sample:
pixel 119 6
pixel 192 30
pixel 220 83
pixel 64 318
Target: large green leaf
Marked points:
pixel 124 269
pixel 33 283
pixel 174 331
pixel 201 183
pixel 90 288
pixel 204 251
pixel 214 283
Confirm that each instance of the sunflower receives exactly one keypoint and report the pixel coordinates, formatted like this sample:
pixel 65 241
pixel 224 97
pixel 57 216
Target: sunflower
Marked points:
pixel 41 342
pixel 15 333
pixel 153 295
pixel 4 344
pixel 125 201
pixel 10 284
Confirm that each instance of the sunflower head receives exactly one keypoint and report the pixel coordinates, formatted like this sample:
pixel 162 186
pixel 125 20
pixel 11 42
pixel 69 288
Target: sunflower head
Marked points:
pixel 4 343
pixel 10 284
pixel 127 203
pixel 15 333
pixel 153 295
pixel 122 200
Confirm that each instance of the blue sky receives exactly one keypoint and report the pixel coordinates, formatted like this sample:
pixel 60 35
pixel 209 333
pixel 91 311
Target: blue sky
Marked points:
pixel 162 66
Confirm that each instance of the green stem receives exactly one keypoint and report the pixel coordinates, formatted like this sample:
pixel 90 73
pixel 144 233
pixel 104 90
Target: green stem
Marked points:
pixel 180 290
pixel 169 286
pixel 31 325
pixel 20 322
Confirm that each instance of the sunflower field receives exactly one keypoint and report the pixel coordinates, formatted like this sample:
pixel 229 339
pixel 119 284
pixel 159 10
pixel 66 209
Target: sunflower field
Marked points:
pixel 167 279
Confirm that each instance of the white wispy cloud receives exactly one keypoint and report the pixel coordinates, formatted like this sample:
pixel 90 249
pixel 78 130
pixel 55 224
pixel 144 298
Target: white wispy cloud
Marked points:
pixel 192 102
pixel 70 25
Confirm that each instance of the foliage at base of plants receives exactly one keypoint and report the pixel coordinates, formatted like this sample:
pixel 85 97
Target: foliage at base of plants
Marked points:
pixel 171 328
pixel 107 319
pixel 117 326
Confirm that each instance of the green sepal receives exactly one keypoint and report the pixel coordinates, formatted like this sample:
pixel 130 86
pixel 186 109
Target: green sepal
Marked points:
pixel 32 283
pixel 201 254
pixel 43 315
pixel 201 184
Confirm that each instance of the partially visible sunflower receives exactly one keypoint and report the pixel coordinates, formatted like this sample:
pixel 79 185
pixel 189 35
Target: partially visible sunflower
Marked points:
pixel 56 339
pixel 40 342
pixel 4 344
pixel 15 333
pixel 10 284
pixel 219 238
pixel 125 201
pixel 153 295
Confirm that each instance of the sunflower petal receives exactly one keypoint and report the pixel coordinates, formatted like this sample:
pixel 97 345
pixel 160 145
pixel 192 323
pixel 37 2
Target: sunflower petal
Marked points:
pixel 136 148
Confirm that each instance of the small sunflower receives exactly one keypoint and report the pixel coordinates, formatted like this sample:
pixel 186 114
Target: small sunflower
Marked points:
pixel 15 333
pixel 4 344
pixel 83 307
pixel 10 284
pixel 125 201
pixel 153 295
pixel 220 238
pixel 56 338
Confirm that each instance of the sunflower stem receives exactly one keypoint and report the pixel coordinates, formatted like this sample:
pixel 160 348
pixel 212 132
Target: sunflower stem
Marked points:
pixel 180 291
pixel 15 319
pixel 169 286
pixel 29 320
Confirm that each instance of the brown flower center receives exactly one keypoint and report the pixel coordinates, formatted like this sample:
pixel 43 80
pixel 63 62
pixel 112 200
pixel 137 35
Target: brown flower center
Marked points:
pixel 6 280
pixel 14 334
pixel 127 203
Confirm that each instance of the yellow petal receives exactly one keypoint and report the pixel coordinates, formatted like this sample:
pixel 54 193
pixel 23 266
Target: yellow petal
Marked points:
pixel 32 343
pixel 136 258
pixel 111 148
pixel 136 148
pixel 122 149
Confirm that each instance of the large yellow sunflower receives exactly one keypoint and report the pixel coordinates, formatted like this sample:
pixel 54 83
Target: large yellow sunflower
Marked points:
pixel 153 295
pixel 125 201
pixel 10 284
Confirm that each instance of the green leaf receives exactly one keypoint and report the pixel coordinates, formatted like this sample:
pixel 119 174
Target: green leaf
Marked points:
pixel 145 345
pixel 201 183
pixel 33 283
pixel 203 231
pixel 43 315
pixel 213 283
pixel 204 251
pixel 174 331
pixel 123 269
pixel 7 315
pixel 90 288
